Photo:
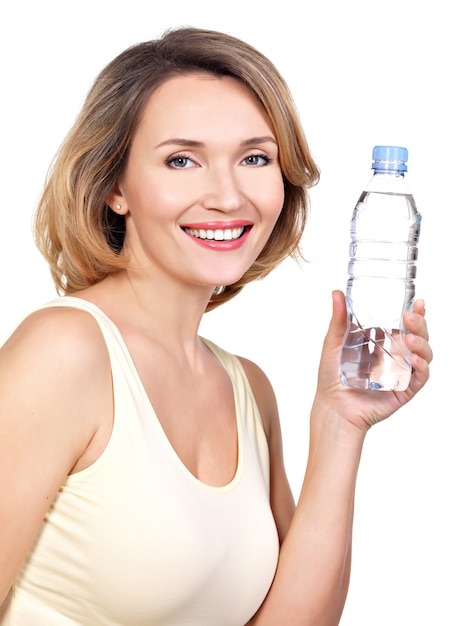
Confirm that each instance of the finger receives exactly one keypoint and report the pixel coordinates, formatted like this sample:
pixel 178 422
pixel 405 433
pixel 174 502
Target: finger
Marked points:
pixel 420 374
pixel 419 307
pixel 418 345
pixel 416 324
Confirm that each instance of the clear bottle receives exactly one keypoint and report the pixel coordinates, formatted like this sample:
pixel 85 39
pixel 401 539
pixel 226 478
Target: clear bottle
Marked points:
pixel 385 230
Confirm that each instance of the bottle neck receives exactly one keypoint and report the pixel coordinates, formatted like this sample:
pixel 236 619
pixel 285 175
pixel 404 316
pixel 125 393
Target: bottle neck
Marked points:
pixel 389 181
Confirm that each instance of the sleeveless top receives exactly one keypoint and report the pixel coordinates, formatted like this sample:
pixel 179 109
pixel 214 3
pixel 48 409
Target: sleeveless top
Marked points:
pixel 136 539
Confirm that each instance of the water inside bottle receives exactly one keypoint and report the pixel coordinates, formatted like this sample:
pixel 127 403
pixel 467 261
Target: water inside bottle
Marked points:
pixel 375 358
pixel 382 267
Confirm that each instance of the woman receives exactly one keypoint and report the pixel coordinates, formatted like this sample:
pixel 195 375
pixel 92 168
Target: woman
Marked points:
pixel 185 176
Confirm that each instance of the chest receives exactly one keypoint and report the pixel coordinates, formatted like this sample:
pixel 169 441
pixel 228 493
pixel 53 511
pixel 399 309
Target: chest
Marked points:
pixel 195 408
pixel 148 543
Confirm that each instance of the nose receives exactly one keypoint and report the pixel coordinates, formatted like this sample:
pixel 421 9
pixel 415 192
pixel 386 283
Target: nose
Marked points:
pixel 223 191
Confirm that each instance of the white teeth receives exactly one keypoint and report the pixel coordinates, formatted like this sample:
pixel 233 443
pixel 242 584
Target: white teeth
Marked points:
pixel 220 234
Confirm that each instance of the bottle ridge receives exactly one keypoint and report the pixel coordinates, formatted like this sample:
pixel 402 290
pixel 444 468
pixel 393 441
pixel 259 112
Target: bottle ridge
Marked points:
pixel 383 252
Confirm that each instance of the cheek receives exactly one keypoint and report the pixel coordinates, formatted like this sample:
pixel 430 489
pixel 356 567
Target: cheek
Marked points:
pixel 274 200
pixel 151 199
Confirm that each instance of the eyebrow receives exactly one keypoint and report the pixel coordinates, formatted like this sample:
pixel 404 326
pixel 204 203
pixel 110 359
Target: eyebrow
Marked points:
pixel 255 140
pixel 191 143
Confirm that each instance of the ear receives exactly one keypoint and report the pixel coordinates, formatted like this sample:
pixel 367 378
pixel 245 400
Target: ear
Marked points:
pixel 116 202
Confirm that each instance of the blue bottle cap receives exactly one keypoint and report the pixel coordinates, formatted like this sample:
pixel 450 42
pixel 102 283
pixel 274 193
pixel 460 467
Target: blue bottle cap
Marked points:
pixel 390 158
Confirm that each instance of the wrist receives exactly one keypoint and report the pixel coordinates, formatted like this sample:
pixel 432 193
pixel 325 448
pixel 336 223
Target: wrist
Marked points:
pixel 328 422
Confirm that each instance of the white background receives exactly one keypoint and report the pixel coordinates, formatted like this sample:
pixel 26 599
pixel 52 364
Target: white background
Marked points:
pixel 362 73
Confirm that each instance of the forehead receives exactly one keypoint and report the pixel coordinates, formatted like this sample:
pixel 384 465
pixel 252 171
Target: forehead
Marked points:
pixel 191 99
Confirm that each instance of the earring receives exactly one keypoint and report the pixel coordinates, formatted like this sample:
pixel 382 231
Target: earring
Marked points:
pixel 218 290
pixel 118 207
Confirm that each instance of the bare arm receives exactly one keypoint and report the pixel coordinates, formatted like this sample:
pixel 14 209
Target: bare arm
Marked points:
pixel 327 550
pixel 312 578
pixel 53 370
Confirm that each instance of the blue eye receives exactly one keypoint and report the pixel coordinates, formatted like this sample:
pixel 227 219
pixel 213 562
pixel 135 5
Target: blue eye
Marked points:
pixel 257 160
pixel 179 162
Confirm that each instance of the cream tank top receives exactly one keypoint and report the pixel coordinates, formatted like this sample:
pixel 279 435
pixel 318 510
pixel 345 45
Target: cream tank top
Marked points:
pixel 136 539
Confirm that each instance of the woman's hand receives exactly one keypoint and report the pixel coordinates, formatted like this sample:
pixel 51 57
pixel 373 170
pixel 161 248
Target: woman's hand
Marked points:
pixel 363 408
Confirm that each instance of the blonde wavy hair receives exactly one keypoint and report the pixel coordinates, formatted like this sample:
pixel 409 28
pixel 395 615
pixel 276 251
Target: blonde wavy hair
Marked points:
pixel 79 235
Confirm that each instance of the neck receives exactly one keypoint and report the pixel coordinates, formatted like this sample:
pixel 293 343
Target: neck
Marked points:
pixel 165 311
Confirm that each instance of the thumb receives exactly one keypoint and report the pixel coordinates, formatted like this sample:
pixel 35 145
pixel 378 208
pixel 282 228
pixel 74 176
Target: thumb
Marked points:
pixel 328 374
pixel 338 322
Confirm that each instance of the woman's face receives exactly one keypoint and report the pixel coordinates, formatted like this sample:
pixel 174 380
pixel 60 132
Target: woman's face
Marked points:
pixel 202 188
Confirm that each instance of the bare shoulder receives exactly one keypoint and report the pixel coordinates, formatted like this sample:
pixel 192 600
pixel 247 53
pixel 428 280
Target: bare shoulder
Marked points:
pixel 53 367
pixel 263 392
pixel 256 375
pixel 57 330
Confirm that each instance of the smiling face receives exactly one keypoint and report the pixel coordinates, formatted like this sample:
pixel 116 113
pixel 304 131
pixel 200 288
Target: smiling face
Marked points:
pixel 202 188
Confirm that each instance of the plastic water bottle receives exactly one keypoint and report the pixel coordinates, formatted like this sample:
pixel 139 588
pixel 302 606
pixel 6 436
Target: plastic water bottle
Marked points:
pixel 385 230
